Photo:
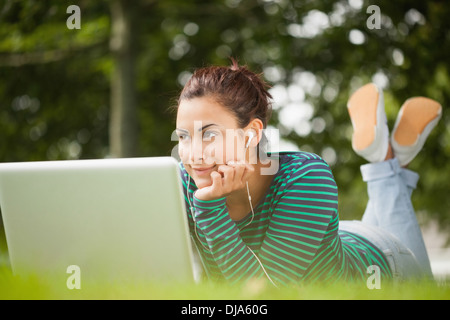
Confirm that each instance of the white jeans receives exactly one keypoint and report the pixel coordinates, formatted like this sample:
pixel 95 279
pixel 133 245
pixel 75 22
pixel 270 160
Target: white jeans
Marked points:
pixel 390 222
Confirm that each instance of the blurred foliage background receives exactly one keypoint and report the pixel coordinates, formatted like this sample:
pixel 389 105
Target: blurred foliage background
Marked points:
pixel 105 89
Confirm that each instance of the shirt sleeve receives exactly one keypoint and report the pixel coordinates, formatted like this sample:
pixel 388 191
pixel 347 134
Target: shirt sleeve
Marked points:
pixel 299 221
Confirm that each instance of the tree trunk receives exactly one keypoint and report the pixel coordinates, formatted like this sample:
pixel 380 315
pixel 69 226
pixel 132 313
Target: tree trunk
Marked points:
pixel 123 116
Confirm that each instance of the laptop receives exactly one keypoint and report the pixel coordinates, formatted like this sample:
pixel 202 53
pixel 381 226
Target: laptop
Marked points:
pixel 101 220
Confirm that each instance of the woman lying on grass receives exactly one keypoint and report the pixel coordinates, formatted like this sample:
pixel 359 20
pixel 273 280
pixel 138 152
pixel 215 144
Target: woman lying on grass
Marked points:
pixel 248 220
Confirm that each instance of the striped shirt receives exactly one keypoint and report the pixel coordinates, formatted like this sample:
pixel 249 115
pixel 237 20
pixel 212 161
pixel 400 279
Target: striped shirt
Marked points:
pixel 294 236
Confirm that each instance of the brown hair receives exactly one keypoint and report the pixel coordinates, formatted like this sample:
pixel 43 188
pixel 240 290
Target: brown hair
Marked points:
pixel 237 88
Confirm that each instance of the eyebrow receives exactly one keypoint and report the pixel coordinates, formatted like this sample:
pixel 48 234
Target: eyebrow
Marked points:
pixel 201 129
pixel 207 126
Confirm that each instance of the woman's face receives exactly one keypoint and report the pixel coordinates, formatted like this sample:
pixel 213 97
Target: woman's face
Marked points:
pixel 209 136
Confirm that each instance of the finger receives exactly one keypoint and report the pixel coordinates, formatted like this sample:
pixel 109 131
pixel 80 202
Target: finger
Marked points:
pixel 230 180
pixel 216 178
pixel 231 163
pixel 249 170
pixel 239 171
pixel 241 168
pixel 234 163
pixel 217 183
pixel 237 165
pixel 227 171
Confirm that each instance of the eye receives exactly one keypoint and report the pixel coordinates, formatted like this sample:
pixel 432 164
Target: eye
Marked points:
pixel 209 134
pixel 183 137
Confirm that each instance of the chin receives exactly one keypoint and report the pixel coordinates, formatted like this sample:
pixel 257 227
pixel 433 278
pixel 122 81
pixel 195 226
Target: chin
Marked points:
pixel 202 182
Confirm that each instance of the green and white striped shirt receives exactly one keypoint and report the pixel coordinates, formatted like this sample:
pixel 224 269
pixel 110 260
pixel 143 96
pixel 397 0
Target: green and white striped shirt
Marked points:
pixel 294 232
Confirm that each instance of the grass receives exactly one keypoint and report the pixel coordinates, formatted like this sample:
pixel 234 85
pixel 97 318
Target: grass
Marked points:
pixel 35 288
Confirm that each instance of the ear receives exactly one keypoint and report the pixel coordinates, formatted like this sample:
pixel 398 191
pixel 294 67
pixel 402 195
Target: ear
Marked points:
pixel 255 126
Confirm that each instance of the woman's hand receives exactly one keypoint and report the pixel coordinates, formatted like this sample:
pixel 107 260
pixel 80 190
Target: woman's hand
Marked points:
pixel 225 180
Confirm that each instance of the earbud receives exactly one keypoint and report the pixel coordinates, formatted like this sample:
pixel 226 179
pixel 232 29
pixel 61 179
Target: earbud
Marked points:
pixel 251 135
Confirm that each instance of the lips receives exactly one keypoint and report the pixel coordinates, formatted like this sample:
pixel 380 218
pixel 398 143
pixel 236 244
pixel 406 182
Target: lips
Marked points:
pixel 203 171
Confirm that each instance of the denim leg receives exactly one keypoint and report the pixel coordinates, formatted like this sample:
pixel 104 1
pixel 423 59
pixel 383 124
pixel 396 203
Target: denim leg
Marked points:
pixel 401 260
pixel 369 171
pixel 370 217
pixel 389 187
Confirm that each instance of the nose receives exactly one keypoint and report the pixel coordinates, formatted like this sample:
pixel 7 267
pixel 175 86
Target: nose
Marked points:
pixel 196 152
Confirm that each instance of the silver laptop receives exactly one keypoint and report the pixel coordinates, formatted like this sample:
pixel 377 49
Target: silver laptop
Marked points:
pixel 108 219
